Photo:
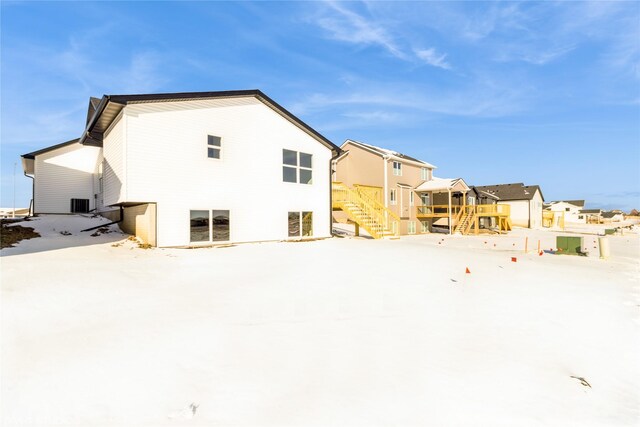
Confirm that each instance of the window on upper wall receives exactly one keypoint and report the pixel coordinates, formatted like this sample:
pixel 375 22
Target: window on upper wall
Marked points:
pixel 425 199
pixel 397 168
pixel 392 197
pixel 297 167
pixel 214 147
pixel 424 174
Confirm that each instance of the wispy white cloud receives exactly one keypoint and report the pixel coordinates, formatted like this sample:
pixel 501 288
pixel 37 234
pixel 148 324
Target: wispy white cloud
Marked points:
pixel 431 57
pixel 348 26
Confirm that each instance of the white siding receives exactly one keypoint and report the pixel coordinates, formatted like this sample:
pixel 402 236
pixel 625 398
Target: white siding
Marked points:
pixel 519 212
pixel 114 164
pixel 63 174
pixel 535 212
pixel 167 164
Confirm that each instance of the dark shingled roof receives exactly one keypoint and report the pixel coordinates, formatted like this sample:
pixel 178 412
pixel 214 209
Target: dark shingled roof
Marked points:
pixel 609 214
pixel 591 211
pixel 515 191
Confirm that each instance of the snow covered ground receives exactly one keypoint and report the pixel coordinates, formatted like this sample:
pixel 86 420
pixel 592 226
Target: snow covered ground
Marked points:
pixel 351 332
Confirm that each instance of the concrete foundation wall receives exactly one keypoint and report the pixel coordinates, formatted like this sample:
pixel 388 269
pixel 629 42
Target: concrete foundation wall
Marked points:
pixel 140 221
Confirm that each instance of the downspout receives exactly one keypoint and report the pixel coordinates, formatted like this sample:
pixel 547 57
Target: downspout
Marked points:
pixel 109 223
pixel 32 208
pixel 450 224
pixel 336 154
pixel 385 158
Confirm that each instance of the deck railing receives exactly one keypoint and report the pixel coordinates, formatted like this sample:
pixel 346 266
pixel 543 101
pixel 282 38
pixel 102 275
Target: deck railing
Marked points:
pixel 441 211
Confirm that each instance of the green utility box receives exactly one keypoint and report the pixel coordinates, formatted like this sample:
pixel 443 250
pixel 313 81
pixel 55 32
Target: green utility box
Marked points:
pixel 569 245
pixel 608 231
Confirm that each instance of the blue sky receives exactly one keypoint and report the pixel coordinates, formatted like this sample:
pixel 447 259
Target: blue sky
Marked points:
pixel 542 93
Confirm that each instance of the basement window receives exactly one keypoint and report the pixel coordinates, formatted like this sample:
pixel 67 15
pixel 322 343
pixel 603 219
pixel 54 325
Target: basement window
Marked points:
pixel 79 205
pixel 209 226
pixel 300 224
pixel 411 227
pixel 214 147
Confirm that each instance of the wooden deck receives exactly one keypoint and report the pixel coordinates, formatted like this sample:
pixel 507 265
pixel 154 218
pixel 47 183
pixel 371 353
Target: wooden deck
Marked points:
pixel 466 219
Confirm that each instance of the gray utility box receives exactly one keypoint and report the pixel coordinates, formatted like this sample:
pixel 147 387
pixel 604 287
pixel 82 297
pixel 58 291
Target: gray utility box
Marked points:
pixel 569 245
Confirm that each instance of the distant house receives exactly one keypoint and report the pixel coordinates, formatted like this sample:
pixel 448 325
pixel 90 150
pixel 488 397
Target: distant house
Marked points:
pixel 612 216
pixel 570 210
pixel 391 193
pixel 592 216
pixel 525 202
pixel 188 169
pixel 388 179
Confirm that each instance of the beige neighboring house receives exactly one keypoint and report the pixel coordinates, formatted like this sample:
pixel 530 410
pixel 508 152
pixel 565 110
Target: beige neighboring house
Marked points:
pixel 386 176
pixel 390 193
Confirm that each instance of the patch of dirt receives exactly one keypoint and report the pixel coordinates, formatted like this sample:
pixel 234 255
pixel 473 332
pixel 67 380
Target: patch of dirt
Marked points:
pixel 14 234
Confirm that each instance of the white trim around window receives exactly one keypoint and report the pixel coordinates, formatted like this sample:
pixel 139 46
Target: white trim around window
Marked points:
pixel 393 197
pixel 397 168
pixel 214 147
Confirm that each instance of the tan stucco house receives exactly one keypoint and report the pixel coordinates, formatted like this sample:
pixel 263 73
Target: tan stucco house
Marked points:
pixel 396 194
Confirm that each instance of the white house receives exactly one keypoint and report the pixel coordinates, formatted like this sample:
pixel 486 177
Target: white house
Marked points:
pixel 525 202
pixel 188 169
pixel 570 210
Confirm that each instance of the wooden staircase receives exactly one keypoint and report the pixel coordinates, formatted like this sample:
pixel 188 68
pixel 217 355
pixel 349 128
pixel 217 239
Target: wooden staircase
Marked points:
pixel 465 222
pixel 368 213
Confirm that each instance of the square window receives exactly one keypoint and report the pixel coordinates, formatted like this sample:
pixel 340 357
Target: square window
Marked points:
pixel 216 141
pixel 305 176
pixel 213 153
pixel 289 174
pixel 297 165
pixel 290 157
pixel 305 160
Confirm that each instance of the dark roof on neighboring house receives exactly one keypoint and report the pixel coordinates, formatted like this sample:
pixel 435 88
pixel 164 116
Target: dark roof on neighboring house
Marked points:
pixel 515 191
pixel 591 211
pixel 579 203
pixel 33 154
pixel 385 152
pixel 110 106
pixel 481 193
pixel 610 214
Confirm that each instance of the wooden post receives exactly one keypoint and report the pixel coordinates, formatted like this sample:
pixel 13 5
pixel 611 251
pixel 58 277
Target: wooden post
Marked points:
pixel 450 221
pixel 538 246
pixel 357 229
pixel 526 244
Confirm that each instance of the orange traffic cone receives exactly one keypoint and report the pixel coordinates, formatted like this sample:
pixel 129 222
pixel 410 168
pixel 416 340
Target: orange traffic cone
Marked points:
pixel 468 271
pixel 514 259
